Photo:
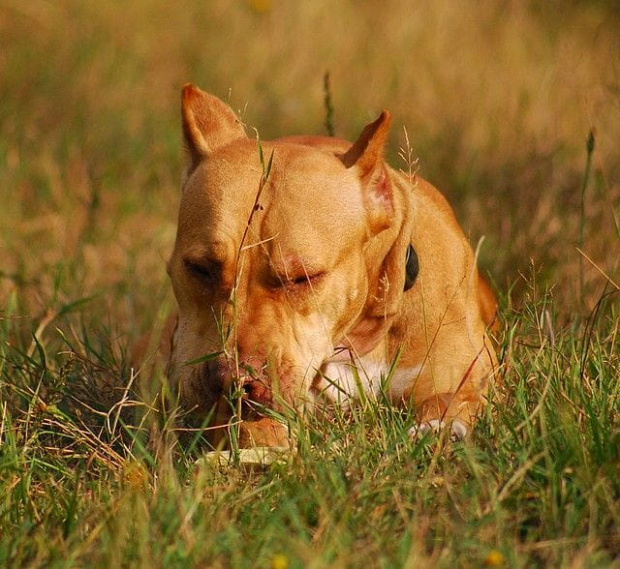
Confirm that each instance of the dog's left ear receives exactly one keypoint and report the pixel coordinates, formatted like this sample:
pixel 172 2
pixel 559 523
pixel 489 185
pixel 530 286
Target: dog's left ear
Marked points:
pixel 389 271
pixel 366 155
pixel 208 124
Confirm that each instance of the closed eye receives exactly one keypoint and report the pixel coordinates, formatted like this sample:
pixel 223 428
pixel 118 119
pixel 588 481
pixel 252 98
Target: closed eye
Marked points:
pixel 304 280
pixel 206 270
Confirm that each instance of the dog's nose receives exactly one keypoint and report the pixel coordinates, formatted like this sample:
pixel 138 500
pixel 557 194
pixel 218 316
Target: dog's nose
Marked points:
pixel 220 374
pixel 217 373
pixel 258 391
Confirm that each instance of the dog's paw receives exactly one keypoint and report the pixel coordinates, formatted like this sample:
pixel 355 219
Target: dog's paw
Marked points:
pixel 458 429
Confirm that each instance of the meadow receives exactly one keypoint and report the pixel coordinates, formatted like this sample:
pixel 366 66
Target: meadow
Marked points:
pixel 511 108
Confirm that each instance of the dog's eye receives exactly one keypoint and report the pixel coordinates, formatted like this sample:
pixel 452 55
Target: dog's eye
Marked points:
pixel 293 281
pixel 208 271
pixel 304 280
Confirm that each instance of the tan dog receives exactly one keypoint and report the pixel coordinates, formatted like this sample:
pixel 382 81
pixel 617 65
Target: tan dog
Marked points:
pixel 298 268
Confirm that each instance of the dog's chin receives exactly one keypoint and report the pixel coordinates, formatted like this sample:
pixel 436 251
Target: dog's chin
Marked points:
pixel 263 432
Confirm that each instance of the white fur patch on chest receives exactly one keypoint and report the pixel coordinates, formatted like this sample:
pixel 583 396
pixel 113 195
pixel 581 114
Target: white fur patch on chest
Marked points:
pixel 344 382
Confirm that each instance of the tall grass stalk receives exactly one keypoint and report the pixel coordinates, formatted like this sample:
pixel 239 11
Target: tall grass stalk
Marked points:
pixel 328 104
pixel 582 222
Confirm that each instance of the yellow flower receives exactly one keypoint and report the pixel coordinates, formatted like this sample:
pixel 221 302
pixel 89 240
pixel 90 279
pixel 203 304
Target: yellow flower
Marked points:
pixel 279 561
pixel 494 559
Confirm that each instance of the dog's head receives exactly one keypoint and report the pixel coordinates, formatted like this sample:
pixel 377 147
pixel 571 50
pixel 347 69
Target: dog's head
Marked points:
pixel 285 251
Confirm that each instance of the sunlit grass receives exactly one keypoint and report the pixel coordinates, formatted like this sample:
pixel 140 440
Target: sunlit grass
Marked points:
pixel 538 483
pixel 497 103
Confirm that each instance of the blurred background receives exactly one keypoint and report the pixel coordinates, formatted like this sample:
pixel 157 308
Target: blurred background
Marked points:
pixel 498 99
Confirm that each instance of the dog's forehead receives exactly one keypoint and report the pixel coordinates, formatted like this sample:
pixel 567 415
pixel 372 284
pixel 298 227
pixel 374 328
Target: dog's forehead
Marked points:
pixel 313 205
pixel 309 197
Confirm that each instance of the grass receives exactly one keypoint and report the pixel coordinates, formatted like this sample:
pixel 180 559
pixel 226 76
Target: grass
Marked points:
pixel 497 102
pixel 538 484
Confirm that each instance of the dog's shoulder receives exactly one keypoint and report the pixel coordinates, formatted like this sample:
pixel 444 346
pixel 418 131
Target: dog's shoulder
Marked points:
pixel 425 196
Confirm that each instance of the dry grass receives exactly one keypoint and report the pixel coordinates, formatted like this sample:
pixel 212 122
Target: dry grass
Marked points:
pixel 498 100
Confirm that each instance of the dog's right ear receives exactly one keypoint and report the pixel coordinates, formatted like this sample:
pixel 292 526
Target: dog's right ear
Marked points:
pixel 208 123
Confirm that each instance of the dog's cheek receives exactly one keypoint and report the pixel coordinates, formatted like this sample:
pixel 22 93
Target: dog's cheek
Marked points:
pixel 305 347
pixel 354 294
pixel 193 341
pixel 339 309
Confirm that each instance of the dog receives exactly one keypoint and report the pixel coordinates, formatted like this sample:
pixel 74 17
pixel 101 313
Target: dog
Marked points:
pixel 308 273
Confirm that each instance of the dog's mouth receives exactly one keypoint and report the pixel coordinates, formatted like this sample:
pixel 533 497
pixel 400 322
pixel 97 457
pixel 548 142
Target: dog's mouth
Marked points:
pixel 249 400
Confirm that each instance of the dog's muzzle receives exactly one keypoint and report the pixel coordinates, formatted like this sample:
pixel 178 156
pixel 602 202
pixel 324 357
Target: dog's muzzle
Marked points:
pixel 225 376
